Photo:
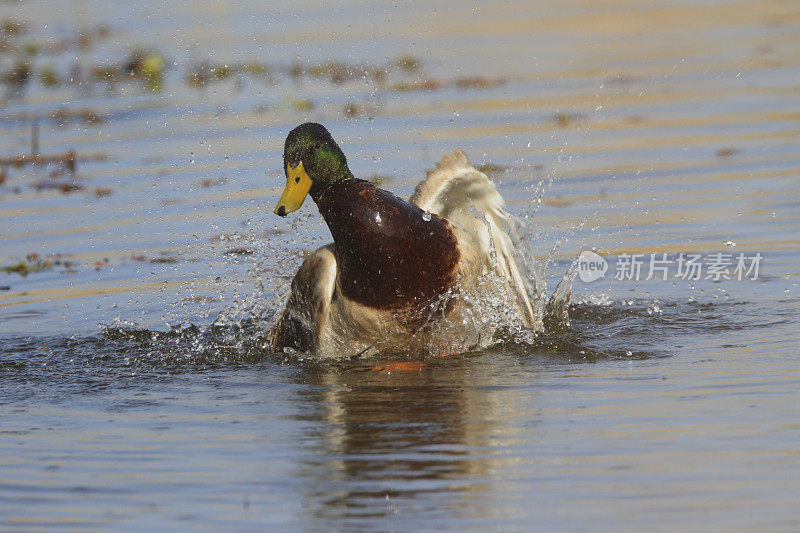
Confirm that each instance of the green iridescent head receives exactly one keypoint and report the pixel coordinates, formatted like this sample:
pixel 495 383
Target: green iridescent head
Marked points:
pixel 312 161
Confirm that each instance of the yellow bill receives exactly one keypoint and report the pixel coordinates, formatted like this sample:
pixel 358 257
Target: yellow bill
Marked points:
pixel 297 186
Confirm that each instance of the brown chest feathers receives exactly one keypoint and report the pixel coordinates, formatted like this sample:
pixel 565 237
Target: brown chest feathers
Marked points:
pixel 390 254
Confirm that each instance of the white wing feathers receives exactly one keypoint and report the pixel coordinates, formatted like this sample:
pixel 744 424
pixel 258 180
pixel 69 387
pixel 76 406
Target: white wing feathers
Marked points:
pixel 450 190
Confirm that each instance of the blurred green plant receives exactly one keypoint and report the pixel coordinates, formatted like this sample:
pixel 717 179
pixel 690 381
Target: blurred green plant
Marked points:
pixel 31 264
pixel 48 77
pixel 153 72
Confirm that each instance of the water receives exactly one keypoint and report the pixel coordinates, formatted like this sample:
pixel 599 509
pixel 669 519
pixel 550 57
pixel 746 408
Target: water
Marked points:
pixel 136 390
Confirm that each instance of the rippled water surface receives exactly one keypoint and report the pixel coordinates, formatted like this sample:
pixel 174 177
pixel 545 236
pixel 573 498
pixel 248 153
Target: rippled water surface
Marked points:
pixel 136 390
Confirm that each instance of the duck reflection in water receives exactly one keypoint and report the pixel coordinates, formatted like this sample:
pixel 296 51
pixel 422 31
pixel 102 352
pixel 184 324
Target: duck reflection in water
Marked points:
pixel 412 442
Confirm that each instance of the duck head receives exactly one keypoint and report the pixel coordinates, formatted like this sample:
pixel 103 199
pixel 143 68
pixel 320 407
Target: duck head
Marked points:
pixel 312 161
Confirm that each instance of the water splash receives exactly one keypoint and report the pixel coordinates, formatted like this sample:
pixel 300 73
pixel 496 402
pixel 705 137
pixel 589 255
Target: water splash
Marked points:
pixel 260 274
pixel 259 265
pixel 598 329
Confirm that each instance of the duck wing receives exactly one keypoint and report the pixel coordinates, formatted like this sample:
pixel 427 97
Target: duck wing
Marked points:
pixel 307 311
pixel 460 193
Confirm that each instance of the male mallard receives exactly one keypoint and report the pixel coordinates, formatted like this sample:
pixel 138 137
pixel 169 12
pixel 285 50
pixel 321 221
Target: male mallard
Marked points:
pixel 395 269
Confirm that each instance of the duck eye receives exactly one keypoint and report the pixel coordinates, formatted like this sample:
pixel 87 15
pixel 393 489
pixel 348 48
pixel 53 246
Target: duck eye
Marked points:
pixel 297 179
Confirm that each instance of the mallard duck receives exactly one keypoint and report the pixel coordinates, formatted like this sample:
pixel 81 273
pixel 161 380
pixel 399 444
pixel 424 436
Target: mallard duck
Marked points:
pixel 396 269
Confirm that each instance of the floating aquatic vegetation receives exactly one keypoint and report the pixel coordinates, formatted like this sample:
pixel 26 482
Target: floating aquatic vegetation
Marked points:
pixel 18 76
pixel 255 68
pixel 147 66
pixel 204 73
pixel 153 72
pixel 66 159
pixel 49 78
pixel 301 104
pixel 564 120
pixel 558 201
pixel 334 71
pixel 60 178
pixel 108 74
pixel 30 49
pixel 100 264
pixel 491 168
pixel 13 27
pixel 164 260
pixel 338 72
pixel 85 115
pixel 32 263
pixel 208 182
pixel 478 82
pixel 36 263
pixel 408 63
pixel 727 152
pixel 351 110
pixel 11 30
pixel 67 188
pixel 84 38
pixel 430 84
pixel 102 192
pixel 143 66
pixel 417 85
pixel 56 184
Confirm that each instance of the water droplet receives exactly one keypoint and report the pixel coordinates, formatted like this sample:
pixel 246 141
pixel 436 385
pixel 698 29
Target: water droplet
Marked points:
pixel 426 216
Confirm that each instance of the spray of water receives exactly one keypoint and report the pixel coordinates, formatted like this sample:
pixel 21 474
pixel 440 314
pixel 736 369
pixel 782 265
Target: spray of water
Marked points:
pixel 484 315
